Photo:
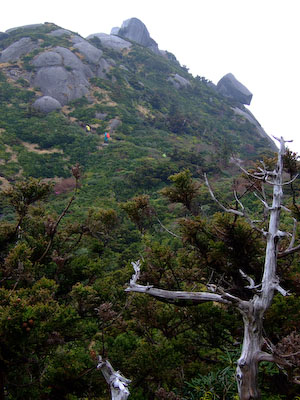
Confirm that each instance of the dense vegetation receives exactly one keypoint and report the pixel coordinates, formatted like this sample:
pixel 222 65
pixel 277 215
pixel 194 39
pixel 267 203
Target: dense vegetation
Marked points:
pixel 66 248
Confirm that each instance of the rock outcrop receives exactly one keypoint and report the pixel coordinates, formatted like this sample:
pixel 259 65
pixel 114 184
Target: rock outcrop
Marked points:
pixel 178 81
pixel 46 104
pixel 89 52
pixel 250 117
pixel 60 32
pixel 230 87
pixel 61 75
pixel 135 30
pixel 18 49
pixel 110 41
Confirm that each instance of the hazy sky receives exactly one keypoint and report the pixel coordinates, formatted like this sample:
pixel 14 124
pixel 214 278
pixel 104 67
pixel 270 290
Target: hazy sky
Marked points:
pixel 256 40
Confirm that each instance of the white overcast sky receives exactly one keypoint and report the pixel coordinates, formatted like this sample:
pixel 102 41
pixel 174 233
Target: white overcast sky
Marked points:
pixel 256 40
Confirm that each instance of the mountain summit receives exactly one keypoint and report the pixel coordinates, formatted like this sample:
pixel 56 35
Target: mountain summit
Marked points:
pixel 135 30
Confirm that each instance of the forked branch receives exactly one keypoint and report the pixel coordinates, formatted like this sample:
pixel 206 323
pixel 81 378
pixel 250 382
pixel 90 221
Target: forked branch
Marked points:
pixel 180 298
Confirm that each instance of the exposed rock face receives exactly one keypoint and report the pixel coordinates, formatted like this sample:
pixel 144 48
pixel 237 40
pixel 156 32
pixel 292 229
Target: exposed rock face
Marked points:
pixel 60 32
pixel 18 49
pixel 229 86
pixel 46 104
pixel 250 117
pixel 111 41
pixel 103 67
pixel 135 30
pixel 178 81
pixel 61 75
pixel 89 52
pixel 48 59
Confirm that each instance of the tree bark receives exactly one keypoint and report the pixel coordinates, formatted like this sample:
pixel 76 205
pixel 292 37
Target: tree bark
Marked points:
pixel 118 383
pixel 247 366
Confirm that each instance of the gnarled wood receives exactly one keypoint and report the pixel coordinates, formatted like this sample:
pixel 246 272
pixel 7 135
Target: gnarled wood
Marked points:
pixel 118 384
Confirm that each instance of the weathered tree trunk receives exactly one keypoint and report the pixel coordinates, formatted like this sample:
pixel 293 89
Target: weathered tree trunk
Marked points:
pixel 252 310
pixel 247 366
pixel 118 383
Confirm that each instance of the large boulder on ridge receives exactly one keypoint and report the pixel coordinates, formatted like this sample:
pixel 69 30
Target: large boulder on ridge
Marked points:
pixel 134 29
pixel 46 104
pixel 229 86
pixel 111 41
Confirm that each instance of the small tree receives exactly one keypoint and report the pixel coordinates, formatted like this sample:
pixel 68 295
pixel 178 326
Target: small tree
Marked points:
pixel 254 308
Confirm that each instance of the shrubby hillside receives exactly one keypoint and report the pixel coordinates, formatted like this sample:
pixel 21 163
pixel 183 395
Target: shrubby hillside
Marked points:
pixel 75 211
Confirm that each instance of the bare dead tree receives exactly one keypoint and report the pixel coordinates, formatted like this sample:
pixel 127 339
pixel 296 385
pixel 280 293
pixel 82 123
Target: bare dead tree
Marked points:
pixel 252 310
pixel 118 383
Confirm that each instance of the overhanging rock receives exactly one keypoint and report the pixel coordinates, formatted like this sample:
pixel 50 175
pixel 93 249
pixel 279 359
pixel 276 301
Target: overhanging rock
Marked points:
pixel 230 87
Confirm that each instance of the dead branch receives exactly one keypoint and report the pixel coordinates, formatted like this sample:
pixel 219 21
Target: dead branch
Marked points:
pixel 118 383
pixel 177 297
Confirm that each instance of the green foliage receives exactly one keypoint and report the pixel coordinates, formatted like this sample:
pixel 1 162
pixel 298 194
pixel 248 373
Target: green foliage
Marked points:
pixel 26 193
pixel 64 262
pixel 183 191
pixel 139 211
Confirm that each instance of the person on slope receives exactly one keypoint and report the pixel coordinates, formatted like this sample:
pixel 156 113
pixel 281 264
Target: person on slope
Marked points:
pixel 106 137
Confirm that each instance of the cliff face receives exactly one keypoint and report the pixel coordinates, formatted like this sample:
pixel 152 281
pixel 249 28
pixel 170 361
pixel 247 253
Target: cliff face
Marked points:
pixel 54 82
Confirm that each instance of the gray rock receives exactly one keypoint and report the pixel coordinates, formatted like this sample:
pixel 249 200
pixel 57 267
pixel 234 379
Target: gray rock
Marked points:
pixel 111 41
pixel 32 26
pixel 100 115
pixel 47 59
pixel 60 32
pixel 103 68
pixel 250 117
pixel 115 30
pixel 178 81
pixel 61 75
pixel 114 123
pixel 136 30
pixel 230 87
pixel 89 52
pixel 18 49
pixel 77 39
pixel 3 36
pixel 69 59
pixel 46 104
pixel 61 84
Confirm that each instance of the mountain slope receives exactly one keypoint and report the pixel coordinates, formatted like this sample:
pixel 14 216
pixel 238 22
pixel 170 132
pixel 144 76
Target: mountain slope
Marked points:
pixel 54 82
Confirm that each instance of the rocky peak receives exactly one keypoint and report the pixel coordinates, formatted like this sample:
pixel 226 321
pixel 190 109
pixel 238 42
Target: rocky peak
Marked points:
pixel 229 86
pixel 135 30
